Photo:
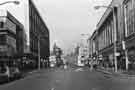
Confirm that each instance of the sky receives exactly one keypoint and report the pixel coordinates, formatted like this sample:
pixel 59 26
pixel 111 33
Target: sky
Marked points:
pixel 65 19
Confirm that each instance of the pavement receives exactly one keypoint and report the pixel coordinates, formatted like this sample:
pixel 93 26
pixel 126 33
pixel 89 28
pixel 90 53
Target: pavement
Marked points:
pixel 118 74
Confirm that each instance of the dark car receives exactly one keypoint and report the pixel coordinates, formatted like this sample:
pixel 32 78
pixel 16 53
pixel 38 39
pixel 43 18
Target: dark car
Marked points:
pixel 15 73
pixel 4 74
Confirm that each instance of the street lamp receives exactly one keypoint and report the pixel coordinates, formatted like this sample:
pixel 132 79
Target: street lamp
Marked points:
pixel 14 2
pixel 85 34
pixel 114 31
pixel 98 7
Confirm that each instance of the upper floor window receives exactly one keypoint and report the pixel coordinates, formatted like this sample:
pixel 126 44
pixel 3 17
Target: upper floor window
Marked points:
pixel 1 24
pixel 129 17
pixel 2 39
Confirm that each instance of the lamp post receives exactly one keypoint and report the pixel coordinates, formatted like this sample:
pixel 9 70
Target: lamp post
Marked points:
pixel 39 39
pixel 14 2
pixel 114 31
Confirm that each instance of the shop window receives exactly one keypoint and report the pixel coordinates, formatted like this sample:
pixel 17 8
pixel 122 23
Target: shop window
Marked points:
pixel 2 39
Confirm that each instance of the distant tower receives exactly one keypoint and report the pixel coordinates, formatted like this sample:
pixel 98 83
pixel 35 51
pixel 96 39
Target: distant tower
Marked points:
pixel 54 48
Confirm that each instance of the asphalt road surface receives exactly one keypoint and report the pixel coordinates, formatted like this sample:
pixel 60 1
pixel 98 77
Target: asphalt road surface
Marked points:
pixel 70 79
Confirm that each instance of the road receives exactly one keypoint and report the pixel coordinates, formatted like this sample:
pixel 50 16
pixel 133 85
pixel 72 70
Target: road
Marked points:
pixel 70 79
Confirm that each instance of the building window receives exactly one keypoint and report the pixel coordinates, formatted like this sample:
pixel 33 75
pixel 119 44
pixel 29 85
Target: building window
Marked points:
pixel 129 15
pixel 107 34
pixel 112 31
pixel 109 31
pixel 2 39
pixel 1 24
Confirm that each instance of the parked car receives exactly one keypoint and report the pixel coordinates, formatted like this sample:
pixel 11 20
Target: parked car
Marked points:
pixel 15 73
pixel 4 74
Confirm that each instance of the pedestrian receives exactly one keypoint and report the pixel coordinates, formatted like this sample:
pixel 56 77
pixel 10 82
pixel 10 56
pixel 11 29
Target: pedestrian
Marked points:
pixel 95 66
pixel 65 66
pixel 91 65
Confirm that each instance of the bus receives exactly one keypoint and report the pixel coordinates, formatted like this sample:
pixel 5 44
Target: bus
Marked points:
pixel 52 60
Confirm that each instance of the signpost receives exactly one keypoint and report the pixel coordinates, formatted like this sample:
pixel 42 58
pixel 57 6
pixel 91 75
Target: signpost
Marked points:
pixel 126 56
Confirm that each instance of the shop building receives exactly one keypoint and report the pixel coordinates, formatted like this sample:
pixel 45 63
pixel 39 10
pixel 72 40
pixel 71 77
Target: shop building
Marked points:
pixel 37 34
pixel 11 45
pixel 107 36
pixel 129 23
